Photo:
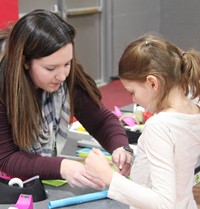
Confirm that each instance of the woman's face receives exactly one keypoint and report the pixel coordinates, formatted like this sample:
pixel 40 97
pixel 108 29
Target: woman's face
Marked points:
pixel 49 72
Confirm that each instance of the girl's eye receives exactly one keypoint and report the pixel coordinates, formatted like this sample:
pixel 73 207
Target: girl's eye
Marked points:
pixel 131 93
pixel 67 64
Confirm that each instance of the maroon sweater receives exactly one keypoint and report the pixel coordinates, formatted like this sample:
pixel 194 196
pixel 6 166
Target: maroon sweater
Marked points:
pixel 99 122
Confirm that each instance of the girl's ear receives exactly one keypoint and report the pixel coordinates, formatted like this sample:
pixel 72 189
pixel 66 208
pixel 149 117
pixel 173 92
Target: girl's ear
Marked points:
pixel 152 81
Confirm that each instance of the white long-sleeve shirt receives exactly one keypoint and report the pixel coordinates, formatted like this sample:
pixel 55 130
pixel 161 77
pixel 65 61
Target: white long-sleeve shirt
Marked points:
pixel 163 173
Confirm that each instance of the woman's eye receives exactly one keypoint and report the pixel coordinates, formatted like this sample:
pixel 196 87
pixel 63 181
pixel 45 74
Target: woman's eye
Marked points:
pixel 50 69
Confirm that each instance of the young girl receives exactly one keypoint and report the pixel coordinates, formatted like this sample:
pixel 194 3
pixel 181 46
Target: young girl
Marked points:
pixel 159 76
pixel 41 88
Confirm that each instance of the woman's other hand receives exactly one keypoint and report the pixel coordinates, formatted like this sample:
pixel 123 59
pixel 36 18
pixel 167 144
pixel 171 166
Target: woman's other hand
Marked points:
pixel 123 161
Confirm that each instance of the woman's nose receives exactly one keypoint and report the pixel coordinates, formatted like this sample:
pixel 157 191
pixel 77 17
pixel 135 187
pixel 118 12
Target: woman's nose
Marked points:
pixel 61 75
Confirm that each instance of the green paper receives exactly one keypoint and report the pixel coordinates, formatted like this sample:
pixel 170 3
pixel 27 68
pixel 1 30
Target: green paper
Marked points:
pixel 55 182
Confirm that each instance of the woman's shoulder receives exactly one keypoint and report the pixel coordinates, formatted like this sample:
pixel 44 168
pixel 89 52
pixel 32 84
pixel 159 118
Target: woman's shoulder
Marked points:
pixel 80 93
pixel 3 112
pixel 2 103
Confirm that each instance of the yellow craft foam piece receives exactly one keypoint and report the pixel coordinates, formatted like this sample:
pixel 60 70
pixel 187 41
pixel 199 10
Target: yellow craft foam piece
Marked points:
pixel 81 129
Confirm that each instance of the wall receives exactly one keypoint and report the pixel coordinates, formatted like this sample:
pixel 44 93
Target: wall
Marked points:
pixel 176 20
pixel 88 26
pixel 132 18
pixel 9 12
pixel 122 21
pixel 180 22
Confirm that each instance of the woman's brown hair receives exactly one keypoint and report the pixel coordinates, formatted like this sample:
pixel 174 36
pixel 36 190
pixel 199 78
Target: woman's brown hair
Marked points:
pixel 36 35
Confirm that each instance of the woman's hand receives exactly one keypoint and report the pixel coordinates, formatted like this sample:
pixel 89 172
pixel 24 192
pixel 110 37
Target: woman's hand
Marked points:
pixel 74 172
pixel 123 161
pixel 97 166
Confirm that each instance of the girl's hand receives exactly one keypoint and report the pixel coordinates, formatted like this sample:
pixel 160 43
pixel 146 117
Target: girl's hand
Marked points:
pixel 74 172
pixel 123 161
pixel 98 167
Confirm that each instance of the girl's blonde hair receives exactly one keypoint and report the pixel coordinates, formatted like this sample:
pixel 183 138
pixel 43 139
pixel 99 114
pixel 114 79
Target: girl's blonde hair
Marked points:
pixel 153 55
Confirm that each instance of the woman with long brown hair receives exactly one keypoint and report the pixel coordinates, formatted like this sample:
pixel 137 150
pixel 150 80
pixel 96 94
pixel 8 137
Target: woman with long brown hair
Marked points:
pixel 42 88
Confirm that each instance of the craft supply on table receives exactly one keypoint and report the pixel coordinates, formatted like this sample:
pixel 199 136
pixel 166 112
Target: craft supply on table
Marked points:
pixel 11 191
pixel 24 202
pixel 78 199
pixel 83 153
pixel 55 182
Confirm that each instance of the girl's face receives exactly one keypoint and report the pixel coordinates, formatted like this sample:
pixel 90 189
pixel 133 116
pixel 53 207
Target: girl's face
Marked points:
pixel 49 72
pixel 142 93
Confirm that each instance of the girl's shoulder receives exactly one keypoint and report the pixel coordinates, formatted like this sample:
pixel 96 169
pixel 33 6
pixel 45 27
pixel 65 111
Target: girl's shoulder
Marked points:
pixel 172 120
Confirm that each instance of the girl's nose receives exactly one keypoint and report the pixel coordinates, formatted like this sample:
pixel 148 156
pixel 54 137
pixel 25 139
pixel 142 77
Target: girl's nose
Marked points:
pixel 133 99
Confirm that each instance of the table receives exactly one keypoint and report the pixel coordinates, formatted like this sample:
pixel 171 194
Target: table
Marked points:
pixel 65 191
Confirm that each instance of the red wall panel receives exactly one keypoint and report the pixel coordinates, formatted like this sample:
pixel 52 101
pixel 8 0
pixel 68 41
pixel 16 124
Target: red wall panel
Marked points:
pixel 9 12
